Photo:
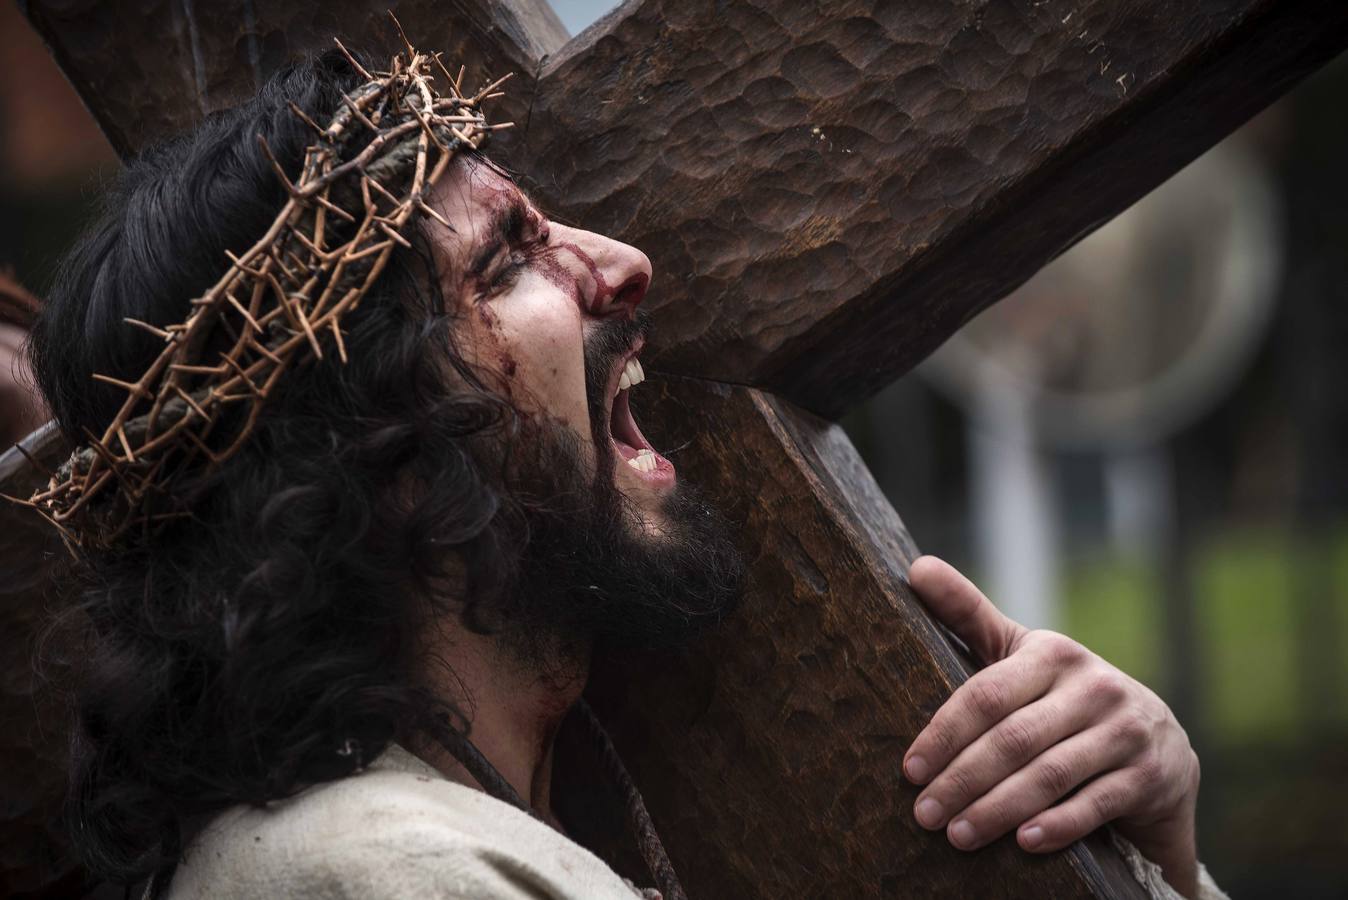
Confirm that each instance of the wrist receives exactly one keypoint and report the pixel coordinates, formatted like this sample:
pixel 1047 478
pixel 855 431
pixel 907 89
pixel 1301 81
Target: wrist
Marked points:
pixel 1172 845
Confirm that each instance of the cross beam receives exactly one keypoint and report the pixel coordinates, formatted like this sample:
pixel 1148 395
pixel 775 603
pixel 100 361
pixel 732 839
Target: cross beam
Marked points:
pixel 828 192
pixel 826 195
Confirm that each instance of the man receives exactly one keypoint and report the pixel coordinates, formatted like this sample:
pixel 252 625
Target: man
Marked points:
pixel 341 669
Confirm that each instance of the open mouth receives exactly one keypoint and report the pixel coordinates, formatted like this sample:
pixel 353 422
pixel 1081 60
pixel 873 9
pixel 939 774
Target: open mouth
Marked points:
pixel 633 450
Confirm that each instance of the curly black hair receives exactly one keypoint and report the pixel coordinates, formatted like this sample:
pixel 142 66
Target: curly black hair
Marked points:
pixel 266 643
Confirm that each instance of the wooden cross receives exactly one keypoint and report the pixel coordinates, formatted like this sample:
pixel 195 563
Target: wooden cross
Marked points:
pixel 827 192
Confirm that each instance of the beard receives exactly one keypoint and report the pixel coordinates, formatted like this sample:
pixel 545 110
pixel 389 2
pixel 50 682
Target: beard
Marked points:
pixel 589 574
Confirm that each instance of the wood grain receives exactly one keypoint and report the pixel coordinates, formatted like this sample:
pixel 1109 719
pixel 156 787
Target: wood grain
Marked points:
pixel 209 56
pixel 829 190
pixel 769 751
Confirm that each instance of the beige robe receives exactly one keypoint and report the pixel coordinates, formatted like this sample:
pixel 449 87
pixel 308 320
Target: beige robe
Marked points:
pixel 400 829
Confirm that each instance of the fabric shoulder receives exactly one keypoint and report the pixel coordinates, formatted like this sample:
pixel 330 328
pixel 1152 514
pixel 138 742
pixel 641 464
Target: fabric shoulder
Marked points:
pixel 397 829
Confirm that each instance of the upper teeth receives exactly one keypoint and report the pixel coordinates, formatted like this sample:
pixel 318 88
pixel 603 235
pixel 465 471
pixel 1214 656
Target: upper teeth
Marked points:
pixel 632 375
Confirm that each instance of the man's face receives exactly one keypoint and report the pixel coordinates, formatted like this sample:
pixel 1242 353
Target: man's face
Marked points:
pixel 538 301
pixel 616 549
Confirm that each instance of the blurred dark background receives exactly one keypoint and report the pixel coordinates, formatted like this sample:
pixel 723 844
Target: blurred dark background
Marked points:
pixel 1141 448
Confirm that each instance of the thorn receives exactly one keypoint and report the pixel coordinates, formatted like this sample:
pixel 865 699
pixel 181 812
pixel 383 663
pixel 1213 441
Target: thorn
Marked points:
pixel 393 233
pixel 239 264
pixel 196 370
pixel 252 323
pixel 432 213
pixel 127 386
pixel 35 462
pixel 126 445
pixel 352 60
pixel 294 107
pixel 356 111
pixel 154 330
pixel 369 251
pixel 28 503
pixel 201 445
pixel 192 403
pixel 242 374
pixel 374 183
pixel 265 351
pixel 482 94
pixel 333 208
pixel 308 245
pixel 308 330
pixel 276 166
pixel 449 79
pixel 341 345
pixel 411 53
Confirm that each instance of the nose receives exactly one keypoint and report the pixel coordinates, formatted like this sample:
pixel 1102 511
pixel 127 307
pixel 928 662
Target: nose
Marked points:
pixel 620 272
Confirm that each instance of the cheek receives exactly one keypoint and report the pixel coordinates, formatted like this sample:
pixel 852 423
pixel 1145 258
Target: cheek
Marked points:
pixel 533 338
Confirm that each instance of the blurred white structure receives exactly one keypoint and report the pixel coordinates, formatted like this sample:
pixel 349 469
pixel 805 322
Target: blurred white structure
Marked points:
pixel 1125 339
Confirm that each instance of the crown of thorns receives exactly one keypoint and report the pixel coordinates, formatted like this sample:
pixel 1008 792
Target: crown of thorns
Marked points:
pixel 362 181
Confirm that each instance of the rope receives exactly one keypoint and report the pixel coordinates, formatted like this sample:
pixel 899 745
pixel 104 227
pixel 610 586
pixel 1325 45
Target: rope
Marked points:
pixel 639 820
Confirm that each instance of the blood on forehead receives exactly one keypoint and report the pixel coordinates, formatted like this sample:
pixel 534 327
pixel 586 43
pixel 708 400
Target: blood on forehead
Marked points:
pixel 506 217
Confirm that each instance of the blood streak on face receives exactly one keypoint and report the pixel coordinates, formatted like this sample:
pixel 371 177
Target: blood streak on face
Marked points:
pixel 606 299
pixel 543 293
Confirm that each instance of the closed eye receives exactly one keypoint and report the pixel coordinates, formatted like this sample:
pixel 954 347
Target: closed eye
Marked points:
pixel 520 254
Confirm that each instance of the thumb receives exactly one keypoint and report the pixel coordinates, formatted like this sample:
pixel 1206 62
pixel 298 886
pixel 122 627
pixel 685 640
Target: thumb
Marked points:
pixel 964 609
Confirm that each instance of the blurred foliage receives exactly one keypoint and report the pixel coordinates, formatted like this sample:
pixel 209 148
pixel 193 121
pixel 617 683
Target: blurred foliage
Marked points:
pixel 1246 583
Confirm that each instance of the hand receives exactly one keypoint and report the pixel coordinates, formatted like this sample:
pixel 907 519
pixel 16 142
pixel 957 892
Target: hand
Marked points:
pixel 1044 718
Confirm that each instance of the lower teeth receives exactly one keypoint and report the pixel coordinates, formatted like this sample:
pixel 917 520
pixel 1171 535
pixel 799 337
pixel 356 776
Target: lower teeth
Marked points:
pixel 644 461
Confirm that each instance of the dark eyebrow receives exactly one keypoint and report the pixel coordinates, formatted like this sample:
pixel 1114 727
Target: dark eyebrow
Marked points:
pixel 507 224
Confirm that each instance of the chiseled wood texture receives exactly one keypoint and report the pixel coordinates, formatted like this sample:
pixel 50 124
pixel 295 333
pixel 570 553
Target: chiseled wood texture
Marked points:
pixel 769 751
pixel 828 190
pixel 209 56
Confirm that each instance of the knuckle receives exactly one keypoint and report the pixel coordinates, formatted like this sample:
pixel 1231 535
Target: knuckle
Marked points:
pixel 960 785
pixel 1149 770
pixel 1061 650
pixel 1132 732
pixel 992 819
pixel 1056 776
pixel 1015 740
pixel 988 698
pixel 943 740
pixel 1105 805
pixel 1106 688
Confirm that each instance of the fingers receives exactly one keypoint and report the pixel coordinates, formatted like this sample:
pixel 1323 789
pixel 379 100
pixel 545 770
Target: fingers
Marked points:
pixel 987 698
pixel 995 756
pixel 964 609
pixel 1036 787
pixel 1098 803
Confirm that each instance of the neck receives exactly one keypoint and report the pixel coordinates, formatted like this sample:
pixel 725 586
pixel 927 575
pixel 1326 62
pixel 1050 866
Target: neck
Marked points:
pixel 514 709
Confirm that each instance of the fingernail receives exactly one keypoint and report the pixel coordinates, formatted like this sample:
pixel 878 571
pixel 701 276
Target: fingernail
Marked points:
pixel 1032 837
pixel 928 813
pixel 962 833
pixel 916 767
